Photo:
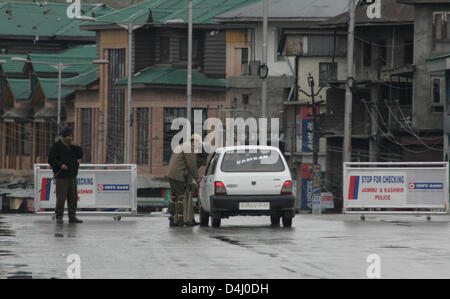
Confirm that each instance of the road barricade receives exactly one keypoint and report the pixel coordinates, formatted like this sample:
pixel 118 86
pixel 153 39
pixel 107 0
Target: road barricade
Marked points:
pixel 395 188
pixel 102 188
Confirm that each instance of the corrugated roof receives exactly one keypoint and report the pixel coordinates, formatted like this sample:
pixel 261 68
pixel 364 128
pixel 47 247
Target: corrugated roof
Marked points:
pixel 290 9
pixel 80 54
pixel 77 54
pixel 170 76
pixel 81 80
pixel 12 67
pixel 20 88
pixel 49 20
pixel 161 11
pixel 50 88
pixel 392 12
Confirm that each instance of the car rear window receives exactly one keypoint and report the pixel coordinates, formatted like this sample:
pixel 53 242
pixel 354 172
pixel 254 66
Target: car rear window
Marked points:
pixel 252 161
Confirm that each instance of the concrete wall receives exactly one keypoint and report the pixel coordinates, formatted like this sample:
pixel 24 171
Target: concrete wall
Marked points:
pixel 310 65
pixel 277 67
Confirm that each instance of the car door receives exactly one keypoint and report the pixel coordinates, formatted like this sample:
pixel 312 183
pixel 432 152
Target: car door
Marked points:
pixel 205 182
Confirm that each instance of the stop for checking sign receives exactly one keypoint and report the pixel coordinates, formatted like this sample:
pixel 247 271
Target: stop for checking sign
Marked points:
pixel 402 187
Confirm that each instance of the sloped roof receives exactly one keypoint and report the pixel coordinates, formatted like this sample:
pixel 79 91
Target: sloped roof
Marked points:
pixel 170 76
pixel 82 80
pixel 20 88
pixel 161 11
pixel 12 66
pixel 79 54
pixel 290 9
pixel 392 12
pixel 44 20
pixel 50 88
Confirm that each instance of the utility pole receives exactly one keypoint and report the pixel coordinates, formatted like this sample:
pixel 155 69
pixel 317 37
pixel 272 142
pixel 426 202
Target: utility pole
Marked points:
pixel 264 60
pixel 373 142
pixel 130 76
pixel 189 76
pixel 314 113
pixel 347 148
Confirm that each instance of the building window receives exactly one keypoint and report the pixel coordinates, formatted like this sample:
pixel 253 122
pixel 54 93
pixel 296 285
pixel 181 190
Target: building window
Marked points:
pixel 244 56
pixel 86 134
pixel 164 49
pixel 327 73
pixel 441 27
pixel 116 108
pixel 367 52
pixel 184 49
pixel 170 114
pixel 327 45
pixel 143 142
pixel 409 51
pixel 382 58
pixel 436 91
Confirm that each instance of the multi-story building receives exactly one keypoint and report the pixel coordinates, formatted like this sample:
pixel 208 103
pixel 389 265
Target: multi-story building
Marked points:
pixel 298 47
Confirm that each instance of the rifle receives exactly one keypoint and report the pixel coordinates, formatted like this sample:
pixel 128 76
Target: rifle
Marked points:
pixel 50 181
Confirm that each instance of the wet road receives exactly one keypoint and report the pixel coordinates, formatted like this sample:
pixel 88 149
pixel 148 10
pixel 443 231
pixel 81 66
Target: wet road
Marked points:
pixel 327 246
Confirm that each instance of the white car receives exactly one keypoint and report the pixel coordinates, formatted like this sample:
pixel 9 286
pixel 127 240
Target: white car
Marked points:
pixel 247 181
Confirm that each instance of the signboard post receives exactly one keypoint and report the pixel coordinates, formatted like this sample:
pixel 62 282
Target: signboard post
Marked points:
pixel 415 188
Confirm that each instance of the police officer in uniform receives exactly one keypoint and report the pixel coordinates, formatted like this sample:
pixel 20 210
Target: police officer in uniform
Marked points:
pixel 63 158
pixel 183 170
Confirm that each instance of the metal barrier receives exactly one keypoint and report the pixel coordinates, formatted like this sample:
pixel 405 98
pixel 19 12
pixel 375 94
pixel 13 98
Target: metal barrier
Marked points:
pixel 102 188
pixel 395 188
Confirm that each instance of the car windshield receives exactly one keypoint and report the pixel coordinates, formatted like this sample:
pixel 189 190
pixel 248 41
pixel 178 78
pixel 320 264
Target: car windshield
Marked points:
pixel 252 161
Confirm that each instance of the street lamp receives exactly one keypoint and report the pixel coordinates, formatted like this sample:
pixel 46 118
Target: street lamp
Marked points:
pixel 130 27
pixel 59 67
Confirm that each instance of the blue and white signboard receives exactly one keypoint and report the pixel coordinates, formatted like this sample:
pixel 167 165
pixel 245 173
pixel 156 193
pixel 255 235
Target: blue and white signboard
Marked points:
pixel 398 186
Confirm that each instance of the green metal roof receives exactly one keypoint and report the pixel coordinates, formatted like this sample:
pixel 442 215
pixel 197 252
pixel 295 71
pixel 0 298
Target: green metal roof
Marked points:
pixel 20 88
pixel 82 80
pixel 50 88
pixel 170 76
pixel 80 54
pixel 12 66
pixel 161 11
pixel 45 20
pixel 77 54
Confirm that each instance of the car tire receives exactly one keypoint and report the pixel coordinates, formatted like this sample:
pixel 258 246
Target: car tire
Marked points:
pixel 275 220
pixel 287 221
pixel 204 217
pixel 216 222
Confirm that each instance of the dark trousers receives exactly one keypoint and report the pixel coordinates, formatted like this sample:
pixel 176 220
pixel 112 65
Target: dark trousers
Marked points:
pixel 66 189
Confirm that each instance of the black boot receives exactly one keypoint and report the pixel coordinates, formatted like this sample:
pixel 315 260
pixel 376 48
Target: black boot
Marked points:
pixel 75 220
pixel 59 220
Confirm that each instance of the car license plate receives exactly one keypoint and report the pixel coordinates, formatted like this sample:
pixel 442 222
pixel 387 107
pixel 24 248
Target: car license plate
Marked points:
pixel 254 206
